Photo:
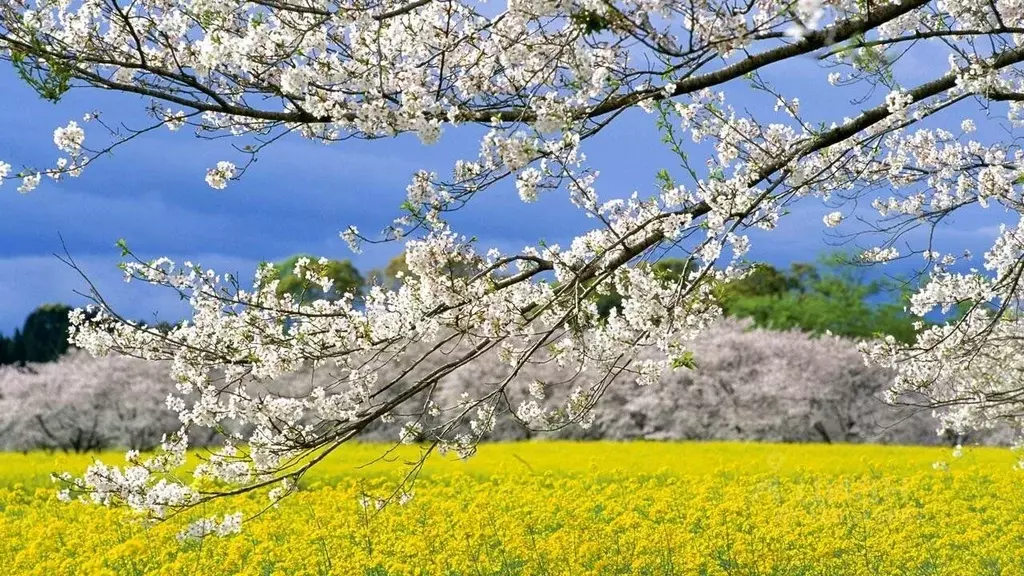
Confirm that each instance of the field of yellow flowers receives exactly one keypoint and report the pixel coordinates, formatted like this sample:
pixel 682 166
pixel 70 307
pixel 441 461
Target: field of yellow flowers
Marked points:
pixel 564 508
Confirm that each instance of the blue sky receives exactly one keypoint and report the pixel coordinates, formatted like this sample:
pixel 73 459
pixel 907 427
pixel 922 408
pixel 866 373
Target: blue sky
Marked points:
pixel 297 198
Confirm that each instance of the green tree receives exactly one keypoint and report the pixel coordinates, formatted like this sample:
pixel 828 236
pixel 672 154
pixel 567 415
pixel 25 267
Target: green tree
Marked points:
pixel 832 296
pixel 17 353
pixel 668 270
pixel 764 280
pixel 389 275
pixel 6 351
pixel 803 275
pixel 45 333
pixel 346 277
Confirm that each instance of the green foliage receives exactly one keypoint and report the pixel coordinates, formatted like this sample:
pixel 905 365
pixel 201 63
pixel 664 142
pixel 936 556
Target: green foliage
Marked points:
pixel 49 77
pixel 684 360
pixel 345 276
pixel 833 296
pixel 43 337
pixel 670 270
pixel 389 275
pixel 763 280
pixel 12 350
pixel 45 333
pixel 590 22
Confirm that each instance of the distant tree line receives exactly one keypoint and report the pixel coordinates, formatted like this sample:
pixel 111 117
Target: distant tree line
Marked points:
pixel 42 338
pixel 832 295
pixel 748 384
pixel 760 375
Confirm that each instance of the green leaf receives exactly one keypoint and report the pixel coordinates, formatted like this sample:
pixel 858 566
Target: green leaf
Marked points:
pixel 48 76
pixel 684 360
pixel 591 22
pixel 664 178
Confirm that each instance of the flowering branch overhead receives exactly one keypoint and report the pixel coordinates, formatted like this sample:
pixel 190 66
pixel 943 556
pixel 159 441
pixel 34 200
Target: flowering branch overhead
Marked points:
pixel 543 77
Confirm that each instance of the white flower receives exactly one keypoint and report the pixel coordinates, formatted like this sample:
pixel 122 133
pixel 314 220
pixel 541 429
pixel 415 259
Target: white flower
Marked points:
pixel 174 120
pixel 832 219
pixel 529 411
pixel 810 12
pixel 526 184
pixel 230 524
pixel 536 389
pixel 422 190
pixel 69 139
pixel 30 182
pixel 295 81
pixel 897 101
pixel 880 255
pixel 218 177
pixel 968 126
pixel 410 432
pixel 276 494
pixel 351 237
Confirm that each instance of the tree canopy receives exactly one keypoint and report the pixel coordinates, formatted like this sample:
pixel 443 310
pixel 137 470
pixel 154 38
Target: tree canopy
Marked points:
pixel 920 125
pixel 831 297
pixel 344 278
pixel 42 338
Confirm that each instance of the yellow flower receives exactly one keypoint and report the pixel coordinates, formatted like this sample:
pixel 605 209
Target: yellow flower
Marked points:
pixel 577 509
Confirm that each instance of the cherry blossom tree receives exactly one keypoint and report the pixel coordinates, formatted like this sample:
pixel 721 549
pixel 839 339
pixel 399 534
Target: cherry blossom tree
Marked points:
pixel 83 404
pixel 540 79
pixel 750 384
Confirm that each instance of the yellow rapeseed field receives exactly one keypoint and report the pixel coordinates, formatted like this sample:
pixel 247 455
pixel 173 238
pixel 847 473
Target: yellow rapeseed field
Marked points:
pixel 564 508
